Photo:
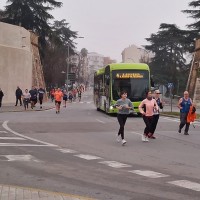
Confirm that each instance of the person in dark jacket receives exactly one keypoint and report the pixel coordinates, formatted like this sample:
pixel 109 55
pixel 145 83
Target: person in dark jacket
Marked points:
pixel 1 96
pixel 18 94
pixel 33 98
pixel 41 93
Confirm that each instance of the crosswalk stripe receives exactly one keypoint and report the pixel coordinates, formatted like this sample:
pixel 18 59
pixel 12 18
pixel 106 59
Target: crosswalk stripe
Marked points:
pixel 67 151
pixel 150 174
pixel 19 158
pixel 22 145
pixel 115 164
pixel 186 184
pixel 87 157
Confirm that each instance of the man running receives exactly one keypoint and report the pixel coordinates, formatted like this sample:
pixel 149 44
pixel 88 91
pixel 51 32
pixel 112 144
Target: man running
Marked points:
pixel 58 99
pixel 41 93
pixel 184 105
pixel 33 98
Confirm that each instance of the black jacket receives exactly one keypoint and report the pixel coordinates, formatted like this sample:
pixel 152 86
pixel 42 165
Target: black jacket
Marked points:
pixel 1 94
pixel 18 92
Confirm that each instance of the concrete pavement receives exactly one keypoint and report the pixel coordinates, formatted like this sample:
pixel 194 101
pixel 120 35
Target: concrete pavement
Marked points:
pixel 8 192
pixel 8 107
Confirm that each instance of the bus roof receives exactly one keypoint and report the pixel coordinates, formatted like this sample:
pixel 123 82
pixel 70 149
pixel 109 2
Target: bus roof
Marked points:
pixel 121 66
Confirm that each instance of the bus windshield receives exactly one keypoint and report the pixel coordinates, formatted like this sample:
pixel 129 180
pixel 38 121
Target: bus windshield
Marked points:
pixel 135 82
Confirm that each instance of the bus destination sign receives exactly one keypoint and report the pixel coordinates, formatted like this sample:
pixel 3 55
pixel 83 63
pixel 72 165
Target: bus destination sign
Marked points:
pixel 129 75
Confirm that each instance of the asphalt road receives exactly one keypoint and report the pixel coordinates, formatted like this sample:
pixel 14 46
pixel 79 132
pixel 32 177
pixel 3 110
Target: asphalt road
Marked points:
pixel 76 152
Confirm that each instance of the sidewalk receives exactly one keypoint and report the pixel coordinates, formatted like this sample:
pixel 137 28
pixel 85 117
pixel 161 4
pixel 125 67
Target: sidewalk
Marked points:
pixel 8 107
pixel 8 192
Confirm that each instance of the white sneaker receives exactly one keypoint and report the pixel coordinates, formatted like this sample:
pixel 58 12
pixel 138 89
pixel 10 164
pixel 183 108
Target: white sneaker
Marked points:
pixel 143 138
pixel 123 142
pixel 118 138
pixel 146 139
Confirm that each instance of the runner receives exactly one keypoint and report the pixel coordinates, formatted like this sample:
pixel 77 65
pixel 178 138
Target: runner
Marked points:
pixel 1 97
pixel 65 97
pixel 79 95
pixel 58 98
pixel 41 93
pixel 184 106
pixel 52 94
pixel 123 105
pixel 146 108
pixel 33 98
pixel 26 98
pixel 156 113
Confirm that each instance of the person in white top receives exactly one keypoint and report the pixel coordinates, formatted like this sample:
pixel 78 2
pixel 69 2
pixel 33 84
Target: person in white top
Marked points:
pixel 26 98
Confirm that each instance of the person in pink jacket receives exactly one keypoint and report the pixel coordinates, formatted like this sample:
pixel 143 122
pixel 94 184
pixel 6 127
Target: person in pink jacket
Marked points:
pixel 147 108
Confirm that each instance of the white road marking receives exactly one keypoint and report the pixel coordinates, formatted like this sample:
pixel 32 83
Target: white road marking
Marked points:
pixel 66 151
pixel 88 157
pixel 150 174
pixel 11 138
pixel 140 134
pixel 115 164
pixel 22 145
pixel 89 102
pixel 19 158
pixel 3 132
pixel 186 184
pixel 5 126
pixel 100 121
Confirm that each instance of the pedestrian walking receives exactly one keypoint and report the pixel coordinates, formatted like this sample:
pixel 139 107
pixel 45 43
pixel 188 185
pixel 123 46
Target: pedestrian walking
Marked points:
pixel 147 108
pixel 18 94
pixel 1 97
pixel 79 95
pixel 52 92
pixel 124 106
pixel 70 97
pixel 58 95
pixel 65 98
pixel 26 98
pixel 33 98
pixel 184 105
pixel 156 113
pixel 41 93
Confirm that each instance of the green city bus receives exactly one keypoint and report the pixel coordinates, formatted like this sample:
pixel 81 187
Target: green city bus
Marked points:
pixel 110 80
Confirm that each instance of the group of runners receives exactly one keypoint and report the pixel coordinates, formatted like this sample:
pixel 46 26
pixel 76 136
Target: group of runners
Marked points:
pixel 149 108
pixel 62 95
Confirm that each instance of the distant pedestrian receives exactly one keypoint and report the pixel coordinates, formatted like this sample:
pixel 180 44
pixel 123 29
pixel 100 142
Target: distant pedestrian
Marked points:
pixel 26 98
pixel 70 97
pixel 52 92
pixel 1 97
pixel 147 108
pixel 123 105
pixel 65 98
pixel 18 94
pixel 41 93
pixel 184 105
pixel 79 95
pixel 156 113
pixel 58 95
pixel 33 98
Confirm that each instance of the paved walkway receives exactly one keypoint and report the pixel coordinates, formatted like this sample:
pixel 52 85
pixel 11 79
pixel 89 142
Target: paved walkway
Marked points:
pixel 12 108
pixel 8 192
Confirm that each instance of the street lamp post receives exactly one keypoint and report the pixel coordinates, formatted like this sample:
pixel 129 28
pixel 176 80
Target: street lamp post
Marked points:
pixel 68 45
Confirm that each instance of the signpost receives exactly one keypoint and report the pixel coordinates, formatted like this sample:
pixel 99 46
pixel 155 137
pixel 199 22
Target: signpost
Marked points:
pixel 170 87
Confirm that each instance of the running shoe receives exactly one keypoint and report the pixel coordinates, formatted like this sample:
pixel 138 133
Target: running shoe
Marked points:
pixel 118 138
pixel 123 142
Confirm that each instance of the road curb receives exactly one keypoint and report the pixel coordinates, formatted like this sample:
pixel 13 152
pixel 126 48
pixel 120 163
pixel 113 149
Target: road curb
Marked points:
pixel 36 110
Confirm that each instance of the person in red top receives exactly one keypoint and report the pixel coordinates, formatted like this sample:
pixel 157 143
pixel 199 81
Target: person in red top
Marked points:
pixel 58 95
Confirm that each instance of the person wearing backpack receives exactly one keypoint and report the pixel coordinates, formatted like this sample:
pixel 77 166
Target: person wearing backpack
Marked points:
pixel 184 105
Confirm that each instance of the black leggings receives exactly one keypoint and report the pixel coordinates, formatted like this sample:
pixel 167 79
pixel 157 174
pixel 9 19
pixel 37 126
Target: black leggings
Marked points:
pixel 155 122
pixel 148 120
pixel 122 121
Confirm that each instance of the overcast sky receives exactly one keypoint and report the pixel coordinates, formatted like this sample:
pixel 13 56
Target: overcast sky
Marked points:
pixel 109 26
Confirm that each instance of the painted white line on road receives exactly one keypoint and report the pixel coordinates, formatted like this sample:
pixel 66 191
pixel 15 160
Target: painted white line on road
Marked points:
pixel 66 151
pixel 115 164
pixel 3 132
pixel 186 184
pixel 100 121
pixel 177 120
pixel 20 158
pixel 150 174
pixel 87 157
pixel 140 134
pixel 22 145
pixel 89 102
pixel 11 138
pixel 5 126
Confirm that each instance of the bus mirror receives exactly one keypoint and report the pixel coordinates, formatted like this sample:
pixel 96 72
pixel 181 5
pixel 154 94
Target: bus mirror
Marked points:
pixel 107 81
